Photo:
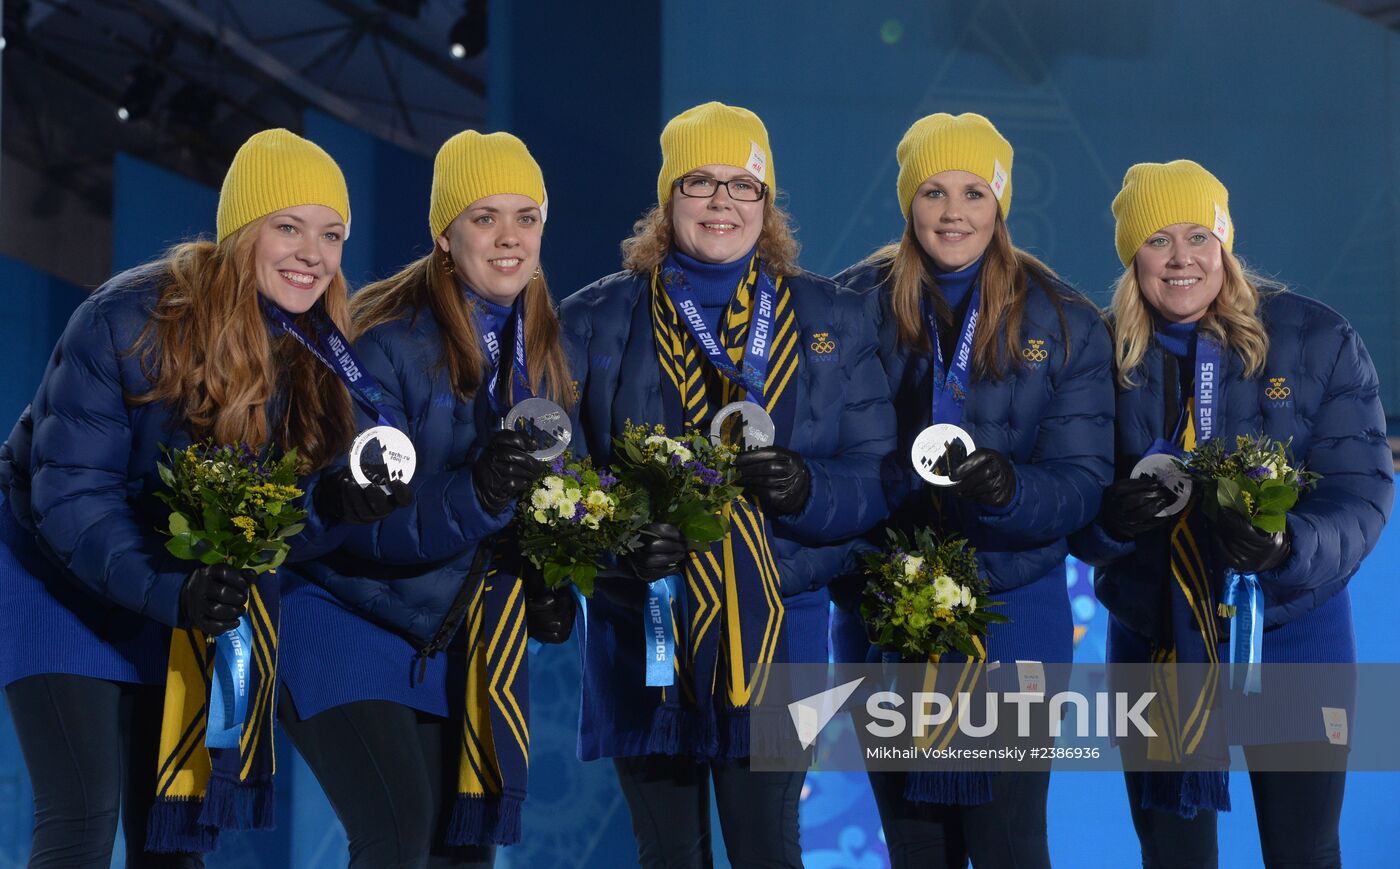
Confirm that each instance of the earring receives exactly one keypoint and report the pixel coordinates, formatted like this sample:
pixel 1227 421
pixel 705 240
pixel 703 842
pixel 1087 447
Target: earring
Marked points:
pixel 447 266
pixel 536 275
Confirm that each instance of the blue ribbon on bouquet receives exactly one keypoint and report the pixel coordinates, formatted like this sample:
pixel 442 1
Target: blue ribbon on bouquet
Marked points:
pixel 1242 591
pixel 658 637
pixel 228 694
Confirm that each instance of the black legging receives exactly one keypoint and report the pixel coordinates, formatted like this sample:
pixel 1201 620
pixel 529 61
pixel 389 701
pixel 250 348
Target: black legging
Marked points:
pixel 1006 833
pixel 669 799
pixel 391 778
pixel 1298 815
pixel 90 746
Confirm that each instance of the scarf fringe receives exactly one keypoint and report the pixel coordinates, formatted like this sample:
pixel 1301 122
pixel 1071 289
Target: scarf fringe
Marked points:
pixel 1186 793
pixel 481 820
pixel 173 827
pixel 949 788
pixel 239 805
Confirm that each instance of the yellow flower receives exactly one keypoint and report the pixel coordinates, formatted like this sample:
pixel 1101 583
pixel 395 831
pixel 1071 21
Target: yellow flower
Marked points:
pixel 248 526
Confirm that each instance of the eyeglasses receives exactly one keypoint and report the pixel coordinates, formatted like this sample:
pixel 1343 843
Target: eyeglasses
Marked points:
pixel 705 187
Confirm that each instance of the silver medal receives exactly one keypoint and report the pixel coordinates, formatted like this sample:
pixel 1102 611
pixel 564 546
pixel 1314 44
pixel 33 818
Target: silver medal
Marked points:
pixel 1167 470
pixel 381 455
pixel 930 446
pixel 742 424
pixel 544 424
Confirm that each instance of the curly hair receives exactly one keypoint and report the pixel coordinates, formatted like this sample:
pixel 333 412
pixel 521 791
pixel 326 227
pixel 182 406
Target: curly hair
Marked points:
pixel 653 238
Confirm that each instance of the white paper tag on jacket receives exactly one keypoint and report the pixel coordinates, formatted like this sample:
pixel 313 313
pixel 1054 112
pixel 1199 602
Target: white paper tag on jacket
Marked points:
pixel 381 455
pixel 1222 225
pixel 1335 721
pixel 999 179
pixel 1031 675
pixel 757 164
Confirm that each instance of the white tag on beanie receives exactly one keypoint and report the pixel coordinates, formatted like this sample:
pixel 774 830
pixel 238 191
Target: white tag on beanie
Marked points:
pixel 544 209
pixel 1222 225
pixel 757 164
pixel 1335 722
pixel 999 179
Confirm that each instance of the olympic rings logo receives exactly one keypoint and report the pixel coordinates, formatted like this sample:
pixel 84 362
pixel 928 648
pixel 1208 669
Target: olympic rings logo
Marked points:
pixel 1034 353
pixel 822 343
pixel 1277 391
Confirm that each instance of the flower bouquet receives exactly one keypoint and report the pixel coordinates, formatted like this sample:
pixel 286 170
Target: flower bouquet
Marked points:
pixel 231 505
pixel 574 516
pixel 925 597
pixel 1256 480
pixel 687 481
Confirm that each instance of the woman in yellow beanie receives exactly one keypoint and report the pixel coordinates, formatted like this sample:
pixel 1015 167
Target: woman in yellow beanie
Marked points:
pixel 441 338
pixel 1205 350
pixel 193 345
pixel 979 335
pixel 754 328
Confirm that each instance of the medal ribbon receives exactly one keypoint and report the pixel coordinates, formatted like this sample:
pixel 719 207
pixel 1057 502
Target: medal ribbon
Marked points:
pixel 519 382
pixel 758 350
pixel 335 353
pixel 228 695
pixel 950 385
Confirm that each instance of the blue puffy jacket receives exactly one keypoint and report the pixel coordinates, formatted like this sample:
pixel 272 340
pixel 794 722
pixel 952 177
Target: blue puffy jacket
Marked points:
pixel 1319 388
pixel 842 427
pixel 386 593
pixel 79 471
pixel 1053 418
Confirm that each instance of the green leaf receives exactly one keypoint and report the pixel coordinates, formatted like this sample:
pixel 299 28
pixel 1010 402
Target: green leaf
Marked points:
pixel 1270 522
pixel 583 576
pixel 290 531
pixel 555 574
pixel 180 548
pixel 179 523
pixel 703 528
pixel 212 557
pixel 1228 496
pixel 1277 499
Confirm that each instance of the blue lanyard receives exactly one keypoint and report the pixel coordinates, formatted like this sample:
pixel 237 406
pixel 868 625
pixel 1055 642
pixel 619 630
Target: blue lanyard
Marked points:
pixel 1206 385
pixel 757 355
pixel 335 353
pixel 950 386
pixel 519 382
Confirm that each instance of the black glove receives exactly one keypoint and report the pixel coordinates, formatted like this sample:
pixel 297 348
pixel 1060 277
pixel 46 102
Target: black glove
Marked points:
pixel 776 477
pixel 214 597
pixel 339 498
pixel 1130 507
pixel 1244 547
pixel 549 613
pixel 661 551
pixel 504 470
pixel 986 476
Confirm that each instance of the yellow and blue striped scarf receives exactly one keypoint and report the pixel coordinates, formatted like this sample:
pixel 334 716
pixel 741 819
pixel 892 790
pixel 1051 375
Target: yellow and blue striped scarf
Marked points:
pixel 732 611
pixel 201 791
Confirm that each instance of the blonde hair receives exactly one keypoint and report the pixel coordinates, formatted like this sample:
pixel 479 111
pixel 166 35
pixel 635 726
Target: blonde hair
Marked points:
pixel 430 284
pixel 1005 277
pixel 208 354
pixel 653 238
pixel 1232 319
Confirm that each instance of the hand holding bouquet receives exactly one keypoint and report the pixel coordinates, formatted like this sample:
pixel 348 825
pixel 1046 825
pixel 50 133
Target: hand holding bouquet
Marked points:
pixel 231 505
pixel 1256 480
pixel 924 597
pixel 573 517
pixel 687 481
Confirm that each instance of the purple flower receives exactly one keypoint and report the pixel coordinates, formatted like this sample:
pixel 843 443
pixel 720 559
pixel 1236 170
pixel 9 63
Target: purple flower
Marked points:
pixel 605 479
pixel 710 477
pixel 1257 473
pixel 675 460
pixel 579 512
pixel 557 466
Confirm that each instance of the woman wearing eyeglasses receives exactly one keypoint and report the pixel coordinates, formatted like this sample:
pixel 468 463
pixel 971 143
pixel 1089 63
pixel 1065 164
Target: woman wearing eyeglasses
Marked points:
pixel 960 305
pixel 712 308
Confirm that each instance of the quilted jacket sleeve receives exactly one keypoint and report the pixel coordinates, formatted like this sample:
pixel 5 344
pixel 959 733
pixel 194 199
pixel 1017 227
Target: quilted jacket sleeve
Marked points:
pixel 445 519
pixel 79 485
pixel 1060 488
pixel 1338 523
pixel 847 496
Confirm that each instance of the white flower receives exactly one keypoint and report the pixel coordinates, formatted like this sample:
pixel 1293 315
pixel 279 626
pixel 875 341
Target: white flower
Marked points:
pixel 912 564
pixel 946 593
pixel 553 483
pixel 540 499
pixel 668 448
pixel 541 517
pixel 590 521
pixel 598 501
pixel 966 596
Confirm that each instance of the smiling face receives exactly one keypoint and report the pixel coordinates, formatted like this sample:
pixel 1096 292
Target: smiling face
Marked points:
pixel 296 254
pixel 718 229
pixel 495 245
pixel 954 213
pixel 1180 270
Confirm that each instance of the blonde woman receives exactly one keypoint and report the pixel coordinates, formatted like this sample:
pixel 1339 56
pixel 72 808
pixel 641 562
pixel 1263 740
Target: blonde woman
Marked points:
pixel 1205 350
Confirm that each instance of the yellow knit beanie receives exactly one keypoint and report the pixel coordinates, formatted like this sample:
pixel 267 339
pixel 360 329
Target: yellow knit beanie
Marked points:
pixel 713 134
pixel 937 143
pixel 471 166
pixel 1155 195
pixel 278 169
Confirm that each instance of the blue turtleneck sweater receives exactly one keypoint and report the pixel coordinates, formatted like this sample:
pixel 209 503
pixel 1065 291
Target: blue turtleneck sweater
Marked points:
pixel 493 316
pixel 713 283
pixel 1178 339
pixel 955 286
